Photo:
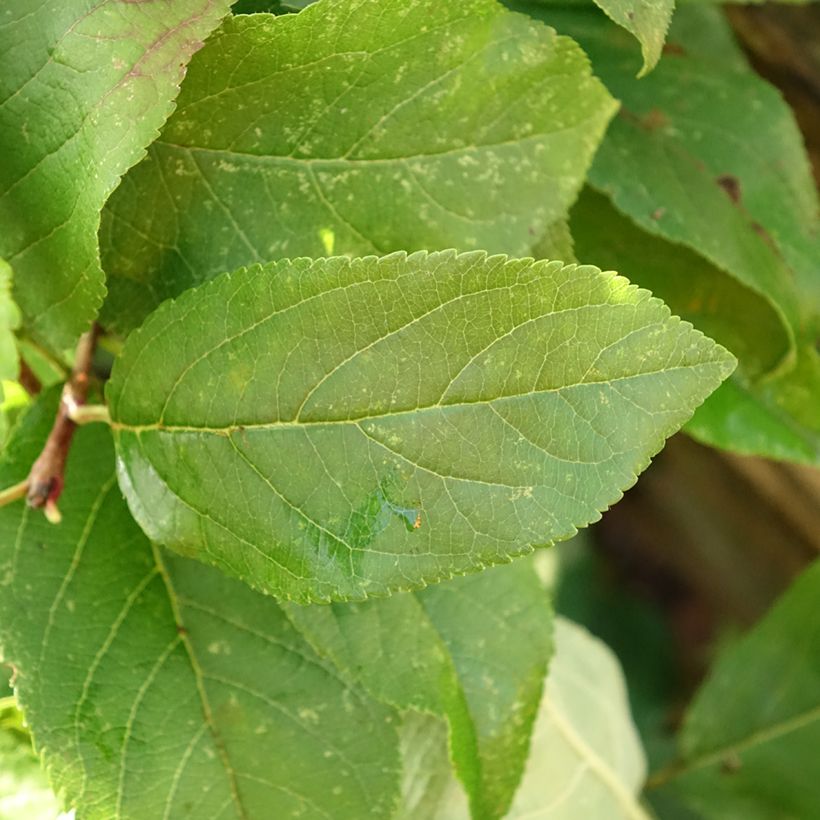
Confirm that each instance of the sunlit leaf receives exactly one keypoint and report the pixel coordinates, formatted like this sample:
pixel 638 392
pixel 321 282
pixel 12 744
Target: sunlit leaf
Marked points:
pixel 339 429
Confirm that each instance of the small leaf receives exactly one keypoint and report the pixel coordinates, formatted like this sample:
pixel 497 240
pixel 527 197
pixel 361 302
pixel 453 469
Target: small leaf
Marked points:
pixel 647 20
pixel 338 428
pixel 473 650
pixel 83 90
pixel 748 742
pixel 585 758
pixel 420 125
pixel 156 687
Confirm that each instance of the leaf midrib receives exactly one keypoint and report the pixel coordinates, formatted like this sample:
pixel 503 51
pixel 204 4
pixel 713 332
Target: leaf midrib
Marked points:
pixel 239 427
pixel 751 741
pixel 173 600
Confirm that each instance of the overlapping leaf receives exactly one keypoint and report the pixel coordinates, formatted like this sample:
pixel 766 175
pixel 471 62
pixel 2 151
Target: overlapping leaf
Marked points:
pixel 344 428
pixel 361 127
pixel 142 677
pixel 84 87
pixel 729 178
pixel 585 759
pixel 748 745
pixel 778 417
pixel 473 650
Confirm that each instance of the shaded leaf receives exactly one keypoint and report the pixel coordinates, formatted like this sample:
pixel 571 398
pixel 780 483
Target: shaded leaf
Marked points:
pixel 696 290
pixel 585 760
pixel 774 417
pixel 749 741
pixel 473 650
pixel 300 136
pixel 556 243
pixel 344 428
pixel 156 687
pixel 730 179
pixel 84 87
pixel 778 418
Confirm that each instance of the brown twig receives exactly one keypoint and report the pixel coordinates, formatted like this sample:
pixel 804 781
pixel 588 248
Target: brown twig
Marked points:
pixel 46 477
pixel 31 384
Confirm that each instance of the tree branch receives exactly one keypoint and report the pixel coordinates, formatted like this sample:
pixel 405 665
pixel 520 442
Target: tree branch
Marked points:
pixel 46 477
pixel 31 384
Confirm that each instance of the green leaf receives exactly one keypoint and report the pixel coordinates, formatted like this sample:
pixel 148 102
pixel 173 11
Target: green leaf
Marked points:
pixel 556 243
pixel 83 89
pixel 749 741
pixel 511 116
pixel 156 687
pixel 647 20
pixel 773 417
pixel 9 358
pixel 696 290
pixel 730 179
pixel 336 429
pixel 473 650
pixel 429 789
pixel 585 759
